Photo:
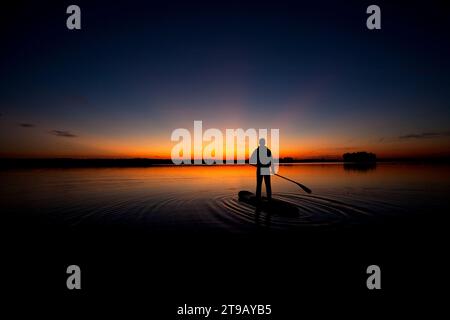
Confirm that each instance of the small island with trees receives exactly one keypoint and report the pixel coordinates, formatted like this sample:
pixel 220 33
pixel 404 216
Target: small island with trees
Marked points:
pixel 360 157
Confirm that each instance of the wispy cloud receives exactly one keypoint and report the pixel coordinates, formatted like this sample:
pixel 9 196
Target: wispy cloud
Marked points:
pixel 26 125
pixel 425 135
pixel 62 133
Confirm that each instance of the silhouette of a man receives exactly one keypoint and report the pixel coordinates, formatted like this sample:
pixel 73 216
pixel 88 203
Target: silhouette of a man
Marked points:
pixel 262 157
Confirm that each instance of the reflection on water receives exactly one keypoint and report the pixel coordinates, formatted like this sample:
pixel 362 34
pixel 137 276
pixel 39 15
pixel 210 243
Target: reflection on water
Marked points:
pixel 363 166
pixel 169 197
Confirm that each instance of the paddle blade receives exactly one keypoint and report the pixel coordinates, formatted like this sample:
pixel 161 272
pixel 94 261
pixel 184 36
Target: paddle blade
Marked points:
pixel 306 189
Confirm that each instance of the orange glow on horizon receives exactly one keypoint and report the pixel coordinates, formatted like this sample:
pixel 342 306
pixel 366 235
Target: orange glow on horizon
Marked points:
pixel 159 147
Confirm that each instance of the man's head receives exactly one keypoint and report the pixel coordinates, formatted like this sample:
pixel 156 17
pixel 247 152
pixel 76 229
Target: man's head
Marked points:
pixel 262 142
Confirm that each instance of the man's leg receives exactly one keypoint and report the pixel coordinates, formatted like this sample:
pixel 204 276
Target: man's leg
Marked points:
pixel 268 186
pixel 259 179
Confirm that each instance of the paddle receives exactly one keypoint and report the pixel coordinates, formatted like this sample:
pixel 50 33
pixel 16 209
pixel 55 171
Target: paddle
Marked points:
pixel 304 188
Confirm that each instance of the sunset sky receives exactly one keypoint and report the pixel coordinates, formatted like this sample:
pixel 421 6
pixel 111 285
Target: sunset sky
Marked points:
pixel 137 71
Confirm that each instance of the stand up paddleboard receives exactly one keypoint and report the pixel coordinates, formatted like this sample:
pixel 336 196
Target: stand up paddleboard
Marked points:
pixel 274 206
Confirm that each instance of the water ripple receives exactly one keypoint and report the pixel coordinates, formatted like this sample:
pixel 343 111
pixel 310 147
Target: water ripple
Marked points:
pixel 179 210
pixel 312 211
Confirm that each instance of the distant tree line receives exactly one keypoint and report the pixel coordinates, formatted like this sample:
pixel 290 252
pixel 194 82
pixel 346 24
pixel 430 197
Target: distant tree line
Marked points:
pixel 361 156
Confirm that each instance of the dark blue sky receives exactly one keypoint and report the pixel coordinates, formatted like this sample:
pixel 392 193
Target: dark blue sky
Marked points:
pixel 137 70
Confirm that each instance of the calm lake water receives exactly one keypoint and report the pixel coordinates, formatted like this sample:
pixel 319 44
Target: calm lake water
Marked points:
pixel 205 197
